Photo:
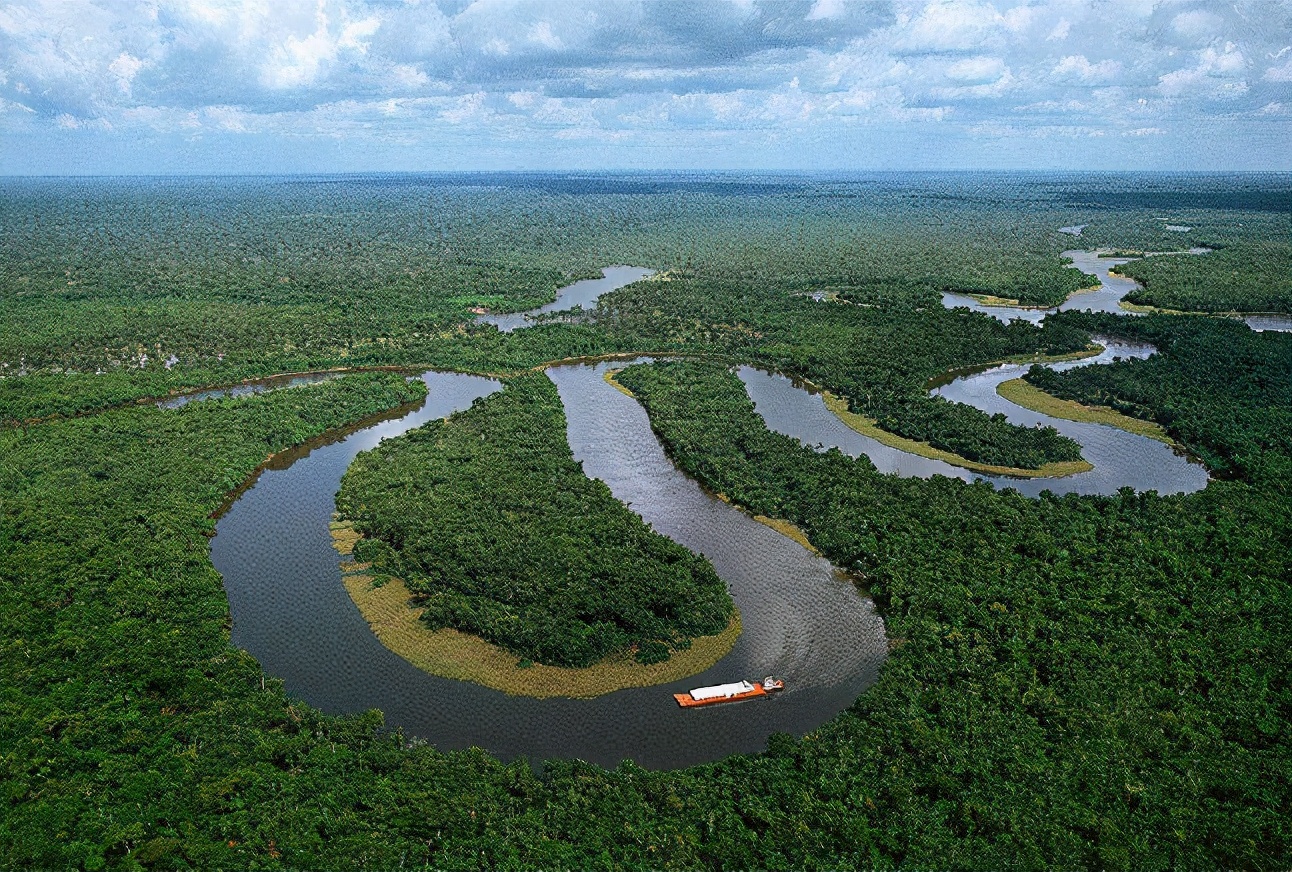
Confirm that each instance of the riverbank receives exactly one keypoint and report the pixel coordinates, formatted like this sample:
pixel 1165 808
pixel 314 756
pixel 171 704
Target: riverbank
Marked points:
pixel 868 427
pixel 390 612
pixel 1021 393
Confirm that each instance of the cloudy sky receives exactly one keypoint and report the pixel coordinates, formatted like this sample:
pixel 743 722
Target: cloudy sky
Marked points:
pixel 340 85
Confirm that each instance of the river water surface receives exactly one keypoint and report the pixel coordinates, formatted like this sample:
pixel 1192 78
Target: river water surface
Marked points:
pixel 580 295
pixel 1107 298
pixel 1120 459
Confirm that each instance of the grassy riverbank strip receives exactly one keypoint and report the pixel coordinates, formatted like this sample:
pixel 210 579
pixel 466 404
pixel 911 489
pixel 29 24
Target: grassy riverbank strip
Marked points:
pixel 867 427
pixel 394 616
pixel 1019 392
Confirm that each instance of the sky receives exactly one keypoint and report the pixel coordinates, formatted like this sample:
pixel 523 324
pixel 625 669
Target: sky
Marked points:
pixel 205 86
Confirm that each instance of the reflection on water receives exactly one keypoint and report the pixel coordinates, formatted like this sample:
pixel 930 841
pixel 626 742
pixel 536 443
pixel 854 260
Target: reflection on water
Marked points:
pixel 1120 459
pixel 801 622
pixel 580 295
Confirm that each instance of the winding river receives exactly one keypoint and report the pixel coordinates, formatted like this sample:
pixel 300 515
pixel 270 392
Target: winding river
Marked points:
pixel 802 619
pixel 1106 298
pixel 580 295
pixel 1120 459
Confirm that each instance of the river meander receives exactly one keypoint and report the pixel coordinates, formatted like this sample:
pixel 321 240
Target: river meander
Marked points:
pixel 1119 459
pixel 803 620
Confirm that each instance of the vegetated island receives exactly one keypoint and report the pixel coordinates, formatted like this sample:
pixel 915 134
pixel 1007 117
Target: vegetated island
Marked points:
pixel 1021 392
pixel 483 552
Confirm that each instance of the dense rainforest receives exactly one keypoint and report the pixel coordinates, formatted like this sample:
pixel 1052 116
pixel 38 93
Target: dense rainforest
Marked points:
pixel 1254 276
pixel 1221 389
pixel 1077 681
pixel 490 521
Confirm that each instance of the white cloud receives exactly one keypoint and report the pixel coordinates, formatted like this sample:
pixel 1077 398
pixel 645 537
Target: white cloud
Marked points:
pixel 125 68
pixel 468 107
pixel 299 61
pixel 408 76
pixel 1281 73
pixel 1060 31
pixel 823 9
pixel 979 70
pixel 424 71
pixel 542 34
pixel 1080 68
pixel 1197 27
pixel 948 25
pixel 1217 74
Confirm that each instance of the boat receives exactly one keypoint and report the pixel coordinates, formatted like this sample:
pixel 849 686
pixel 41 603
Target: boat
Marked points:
pixel 736 690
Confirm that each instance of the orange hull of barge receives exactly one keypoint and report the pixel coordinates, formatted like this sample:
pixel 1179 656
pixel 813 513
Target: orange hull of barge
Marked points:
pixel 686 701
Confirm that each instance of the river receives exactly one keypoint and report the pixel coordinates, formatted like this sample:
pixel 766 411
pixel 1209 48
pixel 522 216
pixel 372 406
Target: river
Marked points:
pixel 580 295
pixel 803 621
pixel 1120 459
pixel 1106 298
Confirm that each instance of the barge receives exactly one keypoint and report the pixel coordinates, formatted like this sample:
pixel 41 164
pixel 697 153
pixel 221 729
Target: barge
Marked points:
pixel 736 690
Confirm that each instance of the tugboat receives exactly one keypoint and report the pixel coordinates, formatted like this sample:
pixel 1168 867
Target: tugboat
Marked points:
pixel 732 692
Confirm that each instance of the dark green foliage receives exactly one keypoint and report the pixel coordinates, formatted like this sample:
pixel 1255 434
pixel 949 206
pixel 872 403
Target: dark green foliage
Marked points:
pixel 489 519
pixel 1223 390
pixel 880 351
pixel 1255 276
pixel 1076 682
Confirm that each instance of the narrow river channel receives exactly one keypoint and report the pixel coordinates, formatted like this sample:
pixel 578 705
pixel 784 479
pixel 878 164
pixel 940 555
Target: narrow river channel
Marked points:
pixel 1120 459
pixel 1106 298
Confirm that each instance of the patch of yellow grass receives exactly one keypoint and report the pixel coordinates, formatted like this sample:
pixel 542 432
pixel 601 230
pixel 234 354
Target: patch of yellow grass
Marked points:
pixel 785 528
pixel 868 427
pixel 1152 310
pixel 395 621
pixel 610 380
pixel 993 300
pixel 1027 395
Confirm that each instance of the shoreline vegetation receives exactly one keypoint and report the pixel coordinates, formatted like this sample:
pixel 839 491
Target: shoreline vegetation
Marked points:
pixel 840 407
pixel 868 427
pixel 786 528
pixel 1022 393
pixel 395 619
pixel 1245 277
pixel 1014 303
